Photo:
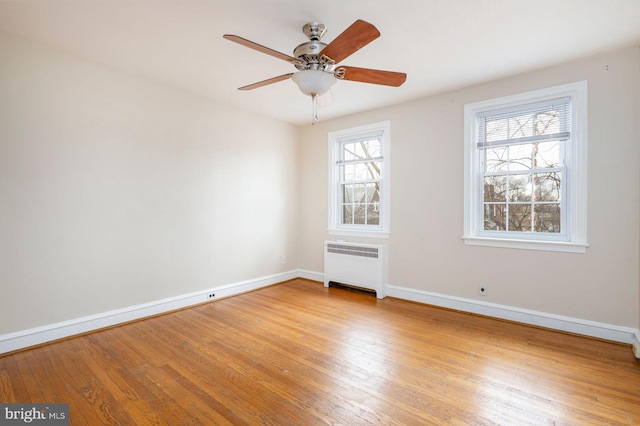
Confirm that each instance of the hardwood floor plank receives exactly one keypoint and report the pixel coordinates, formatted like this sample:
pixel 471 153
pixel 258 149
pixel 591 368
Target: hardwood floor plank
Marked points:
pixel 9 380
pixel 109 370
pixel 299 353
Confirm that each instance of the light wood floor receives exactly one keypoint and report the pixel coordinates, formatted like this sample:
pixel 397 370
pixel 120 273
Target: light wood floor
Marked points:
pixel 297 353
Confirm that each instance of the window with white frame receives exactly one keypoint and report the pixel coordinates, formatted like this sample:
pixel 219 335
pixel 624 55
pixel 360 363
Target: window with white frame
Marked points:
pixel 525 170
pixel 359 181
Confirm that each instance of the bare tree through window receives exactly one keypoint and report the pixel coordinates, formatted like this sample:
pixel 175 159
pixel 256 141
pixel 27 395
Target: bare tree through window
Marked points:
pixel 523 174
pixel 360 182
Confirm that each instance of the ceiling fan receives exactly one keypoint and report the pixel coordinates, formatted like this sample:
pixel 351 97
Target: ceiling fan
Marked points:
pixel 317 62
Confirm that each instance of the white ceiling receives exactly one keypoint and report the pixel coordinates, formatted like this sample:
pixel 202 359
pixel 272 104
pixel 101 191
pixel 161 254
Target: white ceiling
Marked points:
pixel 440 44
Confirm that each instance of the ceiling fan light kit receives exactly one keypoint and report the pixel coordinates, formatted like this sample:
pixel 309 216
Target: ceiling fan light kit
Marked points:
pixel 314 82
pixel 316 61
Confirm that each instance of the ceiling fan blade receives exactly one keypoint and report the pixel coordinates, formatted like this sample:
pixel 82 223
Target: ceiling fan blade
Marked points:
pixel 266 82
pixel 366 75
pixel 358 35
pixel 260 48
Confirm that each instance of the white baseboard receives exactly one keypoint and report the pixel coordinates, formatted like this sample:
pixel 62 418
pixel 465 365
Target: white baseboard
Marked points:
pixel 35 336
pixel 311 275
pixel 542 319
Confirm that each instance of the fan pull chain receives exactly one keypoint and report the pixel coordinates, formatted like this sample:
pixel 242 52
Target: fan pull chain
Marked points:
pixel 314 109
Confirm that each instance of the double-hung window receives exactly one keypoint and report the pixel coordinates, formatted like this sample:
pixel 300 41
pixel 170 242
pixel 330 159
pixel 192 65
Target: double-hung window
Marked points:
pixel 359 181
pixel 525 158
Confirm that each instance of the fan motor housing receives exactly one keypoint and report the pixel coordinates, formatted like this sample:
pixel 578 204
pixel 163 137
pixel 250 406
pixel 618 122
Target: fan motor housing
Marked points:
pixel 308 54
pixel 309 48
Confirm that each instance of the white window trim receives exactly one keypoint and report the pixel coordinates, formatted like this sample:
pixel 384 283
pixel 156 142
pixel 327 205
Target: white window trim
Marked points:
pixel 576 240
pixel 335 227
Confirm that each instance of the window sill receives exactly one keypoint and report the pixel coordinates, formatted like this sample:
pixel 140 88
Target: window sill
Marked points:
pixel 358 233
pixel 559 246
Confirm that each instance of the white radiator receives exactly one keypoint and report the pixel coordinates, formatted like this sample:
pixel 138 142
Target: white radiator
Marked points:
pixel 358 265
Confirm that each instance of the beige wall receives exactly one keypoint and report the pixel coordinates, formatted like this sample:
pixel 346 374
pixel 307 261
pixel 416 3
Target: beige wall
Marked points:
pixel 425 248
pixel 117 191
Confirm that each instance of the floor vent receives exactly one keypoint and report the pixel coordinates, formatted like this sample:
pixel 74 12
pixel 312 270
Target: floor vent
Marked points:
pixel 352 288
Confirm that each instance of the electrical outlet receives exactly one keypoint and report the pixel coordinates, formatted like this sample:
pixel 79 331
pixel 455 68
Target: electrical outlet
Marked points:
pixel 482 289
pixel 284 259
pixel 211 296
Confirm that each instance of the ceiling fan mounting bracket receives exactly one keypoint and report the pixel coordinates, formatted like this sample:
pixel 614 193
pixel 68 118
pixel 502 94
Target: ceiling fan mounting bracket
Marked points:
pixel 314 30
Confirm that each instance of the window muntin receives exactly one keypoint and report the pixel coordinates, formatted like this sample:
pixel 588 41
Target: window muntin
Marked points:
pixel 525 170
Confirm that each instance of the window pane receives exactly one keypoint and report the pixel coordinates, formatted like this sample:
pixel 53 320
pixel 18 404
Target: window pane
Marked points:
pixel 495 159
pixel 547 186
pixel 373 214
pixel 359 214
pixel 374 148
pixel 347 194
pixel 495 188
pixel 547 218
pixel 348 151
pixel 372 193
pixel 347 214
pixel 348 172
pixel 520 157
pixel 519 188
pixel 361 172
pixel 520 126
pixel 360 150
pixel 359 193
pixel 494 217
pixel 496 130
pixel 547 154
pixel 547 122
pixel 373 170
pixel 520 217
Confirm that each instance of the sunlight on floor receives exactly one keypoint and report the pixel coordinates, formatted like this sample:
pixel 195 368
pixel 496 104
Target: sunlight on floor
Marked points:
pixel 508 396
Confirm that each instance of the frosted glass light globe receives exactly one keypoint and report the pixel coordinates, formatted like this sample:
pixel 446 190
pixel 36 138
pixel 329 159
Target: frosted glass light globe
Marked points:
pixel 314 82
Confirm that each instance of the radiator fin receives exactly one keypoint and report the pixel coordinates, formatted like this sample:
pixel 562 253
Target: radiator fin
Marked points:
pixel 371 252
